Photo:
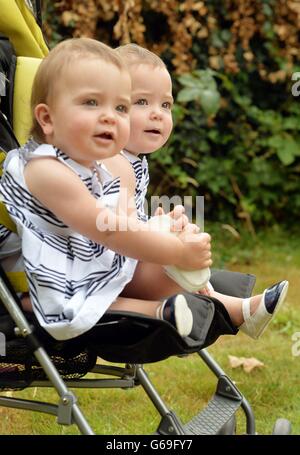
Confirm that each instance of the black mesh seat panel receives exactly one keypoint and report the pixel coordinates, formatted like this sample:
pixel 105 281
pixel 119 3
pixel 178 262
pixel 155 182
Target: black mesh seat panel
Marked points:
pixel 19 368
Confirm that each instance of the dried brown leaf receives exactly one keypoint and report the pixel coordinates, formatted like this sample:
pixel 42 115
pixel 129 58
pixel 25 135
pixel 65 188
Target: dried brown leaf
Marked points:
pixel 235 362
pixel 248 364
pixel 251 363
pixel 69 16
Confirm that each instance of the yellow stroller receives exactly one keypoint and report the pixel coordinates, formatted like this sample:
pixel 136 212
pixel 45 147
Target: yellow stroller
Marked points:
pixel 25 362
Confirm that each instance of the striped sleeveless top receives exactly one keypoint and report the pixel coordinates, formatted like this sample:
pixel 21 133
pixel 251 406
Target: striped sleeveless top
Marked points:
pixel 72 279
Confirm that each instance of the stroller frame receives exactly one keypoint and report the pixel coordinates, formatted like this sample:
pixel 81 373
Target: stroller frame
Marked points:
pixel 217 418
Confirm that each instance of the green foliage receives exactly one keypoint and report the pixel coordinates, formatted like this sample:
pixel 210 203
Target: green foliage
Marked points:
pixel 200 86
pixel 236 137
pixel 238 150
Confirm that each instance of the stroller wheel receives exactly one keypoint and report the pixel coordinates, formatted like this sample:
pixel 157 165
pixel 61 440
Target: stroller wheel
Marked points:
pixel 229 427
pixel 282 427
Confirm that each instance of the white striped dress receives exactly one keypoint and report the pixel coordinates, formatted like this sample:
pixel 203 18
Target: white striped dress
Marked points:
pixel 72 279
pixel 140 167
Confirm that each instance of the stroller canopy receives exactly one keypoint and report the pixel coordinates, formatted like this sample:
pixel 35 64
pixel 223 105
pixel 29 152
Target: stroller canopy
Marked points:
pixel 18 23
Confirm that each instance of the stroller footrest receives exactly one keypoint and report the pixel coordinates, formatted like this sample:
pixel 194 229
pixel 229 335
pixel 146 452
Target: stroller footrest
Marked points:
pixel 212 418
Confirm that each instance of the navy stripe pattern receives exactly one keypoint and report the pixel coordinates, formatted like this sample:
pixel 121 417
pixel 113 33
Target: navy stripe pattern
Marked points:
pixel 141 172
pixel 72 279
pixel 4 234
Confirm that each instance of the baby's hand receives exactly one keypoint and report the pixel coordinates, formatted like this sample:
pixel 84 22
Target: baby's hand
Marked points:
pixel 196 253
pixel 180 220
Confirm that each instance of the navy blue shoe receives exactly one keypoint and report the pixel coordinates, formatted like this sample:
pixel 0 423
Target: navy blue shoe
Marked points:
pixel 189 313
pixel 273 297
pixel 176 311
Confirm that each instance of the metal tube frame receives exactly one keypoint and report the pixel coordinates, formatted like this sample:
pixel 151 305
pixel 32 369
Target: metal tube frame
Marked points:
pixel 54 377
pixel 218 372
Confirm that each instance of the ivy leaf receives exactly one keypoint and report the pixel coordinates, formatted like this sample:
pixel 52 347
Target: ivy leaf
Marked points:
pixel 286 148
pixel 200 86
pixel 187 80
pixel 209 99
pixel 210 102
pixel 286 156
pixel 188 94
pixel 291 123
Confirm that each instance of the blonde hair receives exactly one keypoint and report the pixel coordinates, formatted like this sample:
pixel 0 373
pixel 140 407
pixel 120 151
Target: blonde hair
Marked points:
pixel 133 54
pixel 52 68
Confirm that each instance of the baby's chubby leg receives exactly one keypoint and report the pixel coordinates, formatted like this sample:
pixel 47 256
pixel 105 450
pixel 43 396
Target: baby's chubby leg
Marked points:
pixel 175 310
pixel 232 304
pixel 253 315
pixel 148 307
pixel 150 282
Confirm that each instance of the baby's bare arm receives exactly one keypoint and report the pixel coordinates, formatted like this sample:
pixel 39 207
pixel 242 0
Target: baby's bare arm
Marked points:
pixel 60 190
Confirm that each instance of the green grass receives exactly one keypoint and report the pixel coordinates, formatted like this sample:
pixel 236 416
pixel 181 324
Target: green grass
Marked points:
pixel 186 384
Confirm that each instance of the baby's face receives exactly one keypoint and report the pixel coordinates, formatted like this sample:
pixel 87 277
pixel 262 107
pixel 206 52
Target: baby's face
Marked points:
pixel 150 114
pixel 89 117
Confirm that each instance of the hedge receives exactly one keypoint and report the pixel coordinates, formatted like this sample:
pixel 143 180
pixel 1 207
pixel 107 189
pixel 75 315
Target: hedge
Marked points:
pixel 234 65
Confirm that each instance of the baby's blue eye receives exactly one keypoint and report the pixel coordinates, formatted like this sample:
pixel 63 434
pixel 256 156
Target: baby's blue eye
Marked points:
pixel 167 105
pixel 122 108
pixel 141 102
pixel 91 102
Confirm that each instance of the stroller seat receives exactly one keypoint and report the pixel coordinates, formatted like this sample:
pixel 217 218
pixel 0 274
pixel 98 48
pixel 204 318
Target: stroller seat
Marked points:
pixel 32 358
pixel 119 337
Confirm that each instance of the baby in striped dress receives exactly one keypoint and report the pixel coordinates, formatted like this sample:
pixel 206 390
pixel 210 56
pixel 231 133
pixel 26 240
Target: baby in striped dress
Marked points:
pixel 75 243
pixel 150 127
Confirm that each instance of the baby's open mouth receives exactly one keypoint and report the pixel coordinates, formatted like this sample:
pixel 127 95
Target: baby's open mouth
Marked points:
pixel 106 135
pixel 154 131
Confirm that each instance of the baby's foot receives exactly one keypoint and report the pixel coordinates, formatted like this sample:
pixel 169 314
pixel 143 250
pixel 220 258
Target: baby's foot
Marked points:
pixel 260 310
pixel 188 315
pixel 176 311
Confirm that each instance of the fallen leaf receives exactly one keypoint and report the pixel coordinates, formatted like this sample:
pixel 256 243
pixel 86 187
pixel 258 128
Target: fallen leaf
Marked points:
pixel 248 364
pixel 235 362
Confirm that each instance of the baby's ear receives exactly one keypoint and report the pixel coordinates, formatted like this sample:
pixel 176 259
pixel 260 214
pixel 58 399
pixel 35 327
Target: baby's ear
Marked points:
pixel 43 117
